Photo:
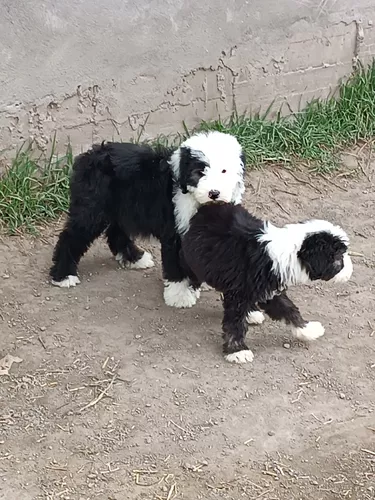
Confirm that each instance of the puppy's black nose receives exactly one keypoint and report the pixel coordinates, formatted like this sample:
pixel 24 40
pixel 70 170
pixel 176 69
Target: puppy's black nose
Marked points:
pixel 214 194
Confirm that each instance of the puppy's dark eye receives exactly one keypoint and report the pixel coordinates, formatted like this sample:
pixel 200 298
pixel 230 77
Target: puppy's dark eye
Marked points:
pixel 223 171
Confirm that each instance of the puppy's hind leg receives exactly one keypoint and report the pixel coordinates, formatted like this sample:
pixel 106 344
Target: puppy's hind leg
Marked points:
pixel 234 330
pixel 126 252
pixel 281 308
pixel 73 242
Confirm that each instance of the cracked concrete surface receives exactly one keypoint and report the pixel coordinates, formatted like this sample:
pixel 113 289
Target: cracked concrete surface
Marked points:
pixel 92 70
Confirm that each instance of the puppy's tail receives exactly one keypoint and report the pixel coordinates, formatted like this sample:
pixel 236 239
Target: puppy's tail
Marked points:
pixel 96 160
pixel 101 159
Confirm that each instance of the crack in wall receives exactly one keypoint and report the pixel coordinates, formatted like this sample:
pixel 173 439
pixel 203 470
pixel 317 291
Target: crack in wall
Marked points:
pixel 239 78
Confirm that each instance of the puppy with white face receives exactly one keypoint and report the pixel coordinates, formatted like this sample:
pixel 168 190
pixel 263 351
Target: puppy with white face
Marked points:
pixel 252 263
pixel 207 167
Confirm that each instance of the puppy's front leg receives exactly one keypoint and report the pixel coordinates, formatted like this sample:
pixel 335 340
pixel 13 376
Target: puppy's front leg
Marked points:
pixel 234 329
pixel 282 308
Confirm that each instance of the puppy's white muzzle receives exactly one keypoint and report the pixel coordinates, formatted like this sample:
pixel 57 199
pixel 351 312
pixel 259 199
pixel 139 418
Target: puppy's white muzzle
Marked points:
pixel 346 272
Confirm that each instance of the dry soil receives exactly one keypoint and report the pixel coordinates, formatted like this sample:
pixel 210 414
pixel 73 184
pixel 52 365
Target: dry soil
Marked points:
pixel 119 397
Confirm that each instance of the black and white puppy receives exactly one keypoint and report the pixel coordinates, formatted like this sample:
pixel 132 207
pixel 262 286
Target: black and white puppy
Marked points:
pixel 252 262
pixel 128 190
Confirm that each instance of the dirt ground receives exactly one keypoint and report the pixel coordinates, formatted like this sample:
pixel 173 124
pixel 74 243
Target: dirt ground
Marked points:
pixel 119 397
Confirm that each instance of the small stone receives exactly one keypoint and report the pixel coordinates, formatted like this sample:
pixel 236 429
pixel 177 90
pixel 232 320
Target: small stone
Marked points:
pixel 342 395
pixel 271 433
pixel 138 337
pixel 286 345
pixel 42 328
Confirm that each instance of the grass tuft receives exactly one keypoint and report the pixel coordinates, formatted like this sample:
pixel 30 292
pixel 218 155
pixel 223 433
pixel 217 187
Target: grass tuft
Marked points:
pixel 316 134
pixel 35 191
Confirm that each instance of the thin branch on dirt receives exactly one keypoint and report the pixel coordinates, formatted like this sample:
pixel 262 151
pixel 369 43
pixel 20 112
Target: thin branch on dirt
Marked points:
pixel 280 205
pixel 285 191
pixel 316 418
pixel 264 493
pixel 138 483
pixel 356 254
pixel 145 471
pixel 258 187
pixel 357 233
pixel 178 426
pixel 190 369
pixel 254 484
pixel 42 342
pixel 308 183
pixel 171 491
pixel 368 451
pixel 249 441
pixel 100 397
pixel 333 183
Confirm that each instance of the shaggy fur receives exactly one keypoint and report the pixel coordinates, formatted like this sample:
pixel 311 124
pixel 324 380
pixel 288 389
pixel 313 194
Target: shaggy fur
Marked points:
pixel 129 190
pixel 252 262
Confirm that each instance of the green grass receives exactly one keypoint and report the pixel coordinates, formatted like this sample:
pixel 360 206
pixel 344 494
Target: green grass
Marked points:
pixel 34 191
pixel 316 134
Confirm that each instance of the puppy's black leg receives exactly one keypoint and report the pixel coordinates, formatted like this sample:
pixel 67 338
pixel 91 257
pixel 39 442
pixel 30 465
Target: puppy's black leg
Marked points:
pixel 234 329
pixel 126 251
pixel 178 290
pixel 281 308
pixel 73 242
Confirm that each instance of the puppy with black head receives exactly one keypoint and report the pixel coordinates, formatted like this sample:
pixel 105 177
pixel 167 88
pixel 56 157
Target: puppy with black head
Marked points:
pixel 252 263
pixel 127 190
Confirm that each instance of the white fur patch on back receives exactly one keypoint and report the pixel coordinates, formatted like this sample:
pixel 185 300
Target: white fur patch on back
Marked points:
pixel 180 294
pixel 68 282
pixel 311 331
pixel 255 317
pixel 245 356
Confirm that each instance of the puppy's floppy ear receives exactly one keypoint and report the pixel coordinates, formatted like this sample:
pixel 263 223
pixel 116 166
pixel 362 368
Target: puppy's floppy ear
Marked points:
pixel 185 158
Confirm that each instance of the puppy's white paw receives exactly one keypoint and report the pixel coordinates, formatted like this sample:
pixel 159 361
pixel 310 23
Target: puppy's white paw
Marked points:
pixel 255 317
pixel 311 331
pixel 180 294
pixel 205 287
pixel 68 282
pixel 245 356
pixel 145 262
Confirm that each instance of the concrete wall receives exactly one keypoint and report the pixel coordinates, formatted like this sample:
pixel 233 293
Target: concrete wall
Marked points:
pixel 94 69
